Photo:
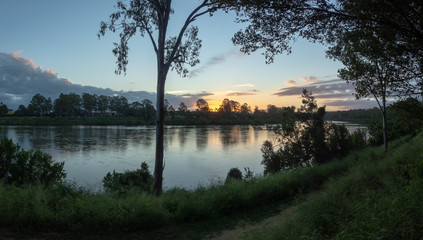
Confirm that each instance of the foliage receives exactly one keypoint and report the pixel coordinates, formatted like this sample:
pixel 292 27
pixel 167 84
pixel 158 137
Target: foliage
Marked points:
pixel 233 175
pixel 21 168
pixel 306 139
pixel 3 109
pixel 379 42
pixel 378 198
pixel 89 102
pixel 40 106
pixel 302 143
pixel 408 117
pixel 151 19
pixel 395 25
pixel 203 106
pixel 122 182
pixel 68 105
pixel 65 208
pixel 338 141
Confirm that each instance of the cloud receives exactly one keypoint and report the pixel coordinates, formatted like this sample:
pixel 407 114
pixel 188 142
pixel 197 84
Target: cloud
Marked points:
pixel 20 80
pixel 309 79
pixel 336 86
pixel 291 83
pixel 245 85
pixel 25 61
pixel 334 93
pixel 251 92
pixel 211 62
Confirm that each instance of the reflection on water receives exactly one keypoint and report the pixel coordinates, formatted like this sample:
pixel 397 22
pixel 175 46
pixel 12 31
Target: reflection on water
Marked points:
pixel 193 154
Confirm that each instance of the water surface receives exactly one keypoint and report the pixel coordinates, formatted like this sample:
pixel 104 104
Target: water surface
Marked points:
pixel 193 154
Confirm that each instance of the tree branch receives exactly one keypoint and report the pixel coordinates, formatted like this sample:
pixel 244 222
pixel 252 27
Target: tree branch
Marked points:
pixel 189 19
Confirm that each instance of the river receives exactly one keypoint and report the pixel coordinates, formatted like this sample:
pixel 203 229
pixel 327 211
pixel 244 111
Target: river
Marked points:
pixel 193 154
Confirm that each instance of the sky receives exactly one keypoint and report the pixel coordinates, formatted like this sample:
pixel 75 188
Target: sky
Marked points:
pixel 51 47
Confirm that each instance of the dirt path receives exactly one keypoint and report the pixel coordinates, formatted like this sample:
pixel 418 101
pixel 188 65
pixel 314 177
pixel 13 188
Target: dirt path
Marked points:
pixel 242 228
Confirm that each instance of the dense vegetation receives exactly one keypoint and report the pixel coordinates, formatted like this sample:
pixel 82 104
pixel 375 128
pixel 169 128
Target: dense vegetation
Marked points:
pixel 22 168
pixel 378 198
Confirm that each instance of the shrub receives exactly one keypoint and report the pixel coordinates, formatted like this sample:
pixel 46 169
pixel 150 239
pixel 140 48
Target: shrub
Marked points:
pixel 234 174
pixel 20 167
pixel 338 140
pixel 122 182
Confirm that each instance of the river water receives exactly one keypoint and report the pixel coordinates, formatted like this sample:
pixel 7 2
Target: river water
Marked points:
pixel 193 154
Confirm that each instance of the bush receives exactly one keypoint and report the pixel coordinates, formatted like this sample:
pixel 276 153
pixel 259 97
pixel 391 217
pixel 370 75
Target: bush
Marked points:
pixel 20 167
pixel 234 174
pixel 122 182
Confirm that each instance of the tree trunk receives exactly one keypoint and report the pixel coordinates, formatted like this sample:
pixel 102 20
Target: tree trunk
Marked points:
pixel 160 119
pixel 385 127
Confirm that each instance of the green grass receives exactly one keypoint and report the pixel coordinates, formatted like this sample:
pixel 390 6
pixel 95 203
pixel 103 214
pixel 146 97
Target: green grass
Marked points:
pixel 366 195
pixel 62 207
pixel 379 198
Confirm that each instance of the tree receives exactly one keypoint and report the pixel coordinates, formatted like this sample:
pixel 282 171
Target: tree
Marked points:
pixel 89 102
pixel 103 103
pixel 135 109
pixel 68 105
pixel 370 70
pixel 182 108
pixel 21 111
pixel 147 111
pixel 203 106
pixel 228 106
pixel 245 110
pixel 151 18
pixel 3 110
pixel 302 139
pixel 40 105
pixel 119 105
pixel 380 42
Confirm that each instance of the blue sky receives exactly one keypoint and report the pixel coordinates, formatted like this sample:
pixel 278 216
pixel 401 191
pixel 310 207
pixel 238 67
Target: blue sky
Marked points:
pixel 61 37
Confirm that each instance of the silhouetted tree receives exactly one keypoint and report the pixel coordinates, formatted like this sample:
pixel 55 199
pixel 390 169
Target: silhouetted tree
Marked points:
pixel 3 109
pixel 119 105
pixel 89 102
pixel 148 112
pixel 147 18
pixel 40 105
pixel 68 105
pixel 302 143
pixel 182 108
pixel 380 42
pixel 229 106
pixel 21 111
pixel 203 106
pixel 103 103
pixel 135 109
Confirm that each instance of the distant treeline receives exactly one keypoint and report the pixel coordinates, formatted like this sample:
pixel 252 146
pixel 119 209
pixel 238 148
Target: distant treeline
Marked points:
pixel 105 110
pixel 89 106
pixel 362 116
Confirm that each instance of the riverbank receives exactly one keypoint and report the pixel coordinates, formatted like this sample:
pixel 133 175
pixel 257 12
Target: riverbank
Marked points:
pixel 121 121
pixel 355 195
pixel 133 121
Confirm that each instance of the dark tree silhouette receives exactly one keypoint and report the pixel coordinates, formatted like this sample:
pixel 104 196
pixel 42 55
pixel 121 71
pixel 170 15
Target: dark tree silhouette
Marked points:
pixel 151 18
pixel 379 42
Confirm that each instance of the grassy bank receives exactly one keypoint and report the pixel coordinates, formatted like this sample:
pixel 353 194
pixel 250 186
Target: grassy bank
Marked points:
pixel 62 208
pixel 365 195
pixel 378 198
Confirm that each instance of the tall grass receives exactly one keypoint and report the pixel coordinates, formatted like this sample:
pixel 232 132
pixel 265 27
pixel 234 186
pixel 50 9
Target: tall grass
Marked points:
pixel 379 198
